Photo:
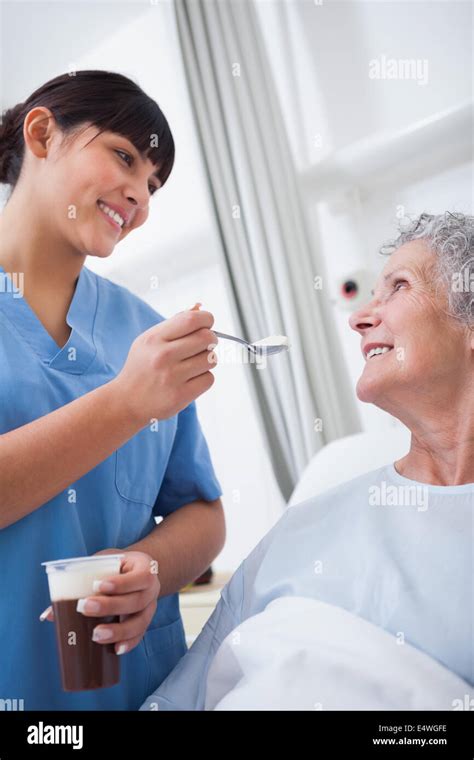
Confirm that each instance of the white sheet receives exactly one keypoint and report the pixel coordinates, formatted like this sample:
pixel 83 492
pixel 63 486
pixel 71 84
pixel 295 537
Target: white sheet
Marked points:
pixel 303 654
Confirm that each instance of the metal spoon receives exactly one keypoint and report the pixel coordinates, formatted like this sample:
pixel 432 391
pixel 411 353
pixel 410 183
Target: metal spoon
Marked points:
pixel 259 350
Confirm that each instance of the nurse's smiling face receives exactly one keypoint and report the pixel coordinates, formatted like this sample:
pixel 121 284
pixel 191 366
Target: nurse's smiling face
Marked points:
pixel 426 353
pixel 92 169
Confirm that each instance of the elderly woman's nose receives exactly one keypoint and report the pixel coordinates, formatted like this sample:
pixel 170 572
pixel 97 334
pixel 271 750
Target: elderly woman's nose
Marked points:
pixel 364 318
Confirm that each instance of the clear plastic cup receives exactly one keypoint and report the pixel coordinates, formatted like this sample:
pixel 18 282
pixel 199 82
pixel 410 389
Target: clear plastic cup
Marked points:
pixel 85 664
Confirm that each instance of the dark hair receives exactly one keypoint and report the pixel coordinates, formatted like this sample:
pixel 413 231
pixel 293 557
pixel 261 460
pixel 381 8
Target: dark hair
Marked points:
pixel 450 236
pixel 108 100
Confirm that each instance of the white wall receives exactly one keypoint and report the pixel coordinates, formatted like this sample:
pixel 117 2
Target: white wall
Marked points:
pixel 320 54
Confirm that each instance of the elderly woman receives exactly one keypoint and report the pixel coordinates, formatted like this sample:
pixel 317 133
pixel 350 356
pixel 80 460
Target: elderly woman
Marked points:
pixel 405 567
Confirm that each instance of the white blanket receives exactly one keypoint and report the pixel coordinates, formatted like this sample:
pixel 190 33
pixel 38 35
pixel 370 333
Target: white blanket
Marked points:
pixel 303 654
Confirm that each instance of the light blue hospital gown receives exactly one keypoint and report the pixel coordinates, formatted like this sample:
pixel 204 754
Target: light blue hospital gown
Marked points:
pixel 157 471
pixel 393 551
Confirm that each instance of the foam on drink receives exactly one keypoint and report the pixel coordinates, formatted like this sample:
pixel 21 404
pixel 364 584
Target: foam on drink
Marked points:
pixel 73 579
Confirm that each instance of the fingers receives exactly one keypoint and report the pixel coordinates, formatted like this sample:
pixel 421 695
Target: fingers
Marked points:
pixel 47 614
pixel 200 384
pixel 191 345
pixel 198 365
pixel 184 323
pixel 120 604
pixel 131 579
pixel 128 633
pixel 123 647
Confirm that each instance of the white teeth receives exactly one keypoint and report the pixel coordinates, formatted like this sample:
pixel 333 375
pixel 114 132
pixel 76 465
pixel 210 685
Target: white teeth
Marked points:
pixel 113 214
pixel 378 350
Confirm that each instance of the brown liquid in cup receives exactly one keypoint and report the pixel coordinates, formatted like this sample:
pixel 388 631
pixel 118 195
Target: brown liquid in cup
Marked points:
pixel 85 664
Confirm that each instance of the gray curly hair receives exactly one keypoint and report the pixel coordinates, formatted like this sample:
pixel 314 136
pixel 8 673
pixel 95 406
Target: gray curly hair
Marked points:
pixel 450 236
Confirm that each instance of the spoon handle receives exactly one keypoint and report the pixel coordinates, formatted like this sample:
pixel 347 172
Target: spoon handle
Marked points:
pixel 232 337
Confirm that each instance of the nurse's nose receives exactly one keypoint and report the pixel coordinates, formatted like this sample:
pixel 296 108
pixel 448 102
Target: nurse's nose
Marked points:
pixel 137 213
pixel 138 195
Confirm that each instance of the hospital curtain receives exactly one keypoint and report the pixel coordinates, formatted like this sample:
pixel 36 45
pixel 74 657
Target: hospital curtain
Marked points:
pixel 302 398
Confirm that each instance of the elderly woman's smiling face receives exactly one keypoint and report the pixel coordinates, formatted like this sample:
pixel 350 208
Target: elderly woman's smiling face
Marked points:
pixel 425 350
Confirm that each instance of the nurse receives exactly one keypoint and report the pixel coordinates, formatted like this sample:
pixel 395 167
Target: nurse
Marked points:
pixel 98 427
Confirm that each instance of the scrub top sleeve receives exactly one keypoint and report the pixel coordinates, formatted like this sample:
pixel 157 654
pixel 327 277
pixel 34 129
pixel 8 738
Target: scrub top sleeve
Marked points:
pixel 189 475
pixel 185 687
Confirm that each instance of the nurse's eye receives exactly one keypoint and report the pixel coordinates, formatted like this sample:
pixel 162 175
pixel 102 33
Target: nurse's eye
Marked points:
pixel 122 153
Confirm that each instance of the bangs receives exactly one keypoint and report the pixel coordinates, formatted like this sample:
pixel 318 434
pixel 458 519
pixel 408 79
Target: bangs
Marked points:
pixel 143 123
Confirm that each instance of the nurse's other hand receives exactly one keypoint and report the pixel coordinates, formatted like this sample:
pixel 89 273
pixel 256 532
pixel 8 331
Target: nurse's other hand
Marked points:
pixel 47 614
pixel 133 595
pixel 168 366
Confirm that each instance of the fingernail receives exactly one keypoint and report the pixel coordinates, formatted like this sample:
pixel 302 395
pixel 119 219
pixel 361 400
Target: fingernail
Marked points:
pixel 121 649
pixel 105 586
pixel 101 634
pixel 86 605
pixel 45 614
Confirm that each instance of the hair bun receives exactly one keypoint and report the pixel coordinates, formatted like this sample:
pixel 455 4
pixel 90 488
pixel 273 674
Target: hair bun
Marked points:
pixel 9 126
pixel 8 137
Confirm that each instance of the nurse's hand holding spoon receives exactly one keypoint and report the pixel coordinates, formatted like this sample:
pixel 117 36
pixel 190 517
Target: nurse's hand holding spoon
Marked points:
pixel 168 366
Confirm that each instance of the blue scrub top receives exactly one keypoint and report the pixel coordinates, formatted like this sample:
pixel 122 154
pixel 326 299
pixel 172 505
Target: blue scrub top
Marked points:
pixel 113 505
